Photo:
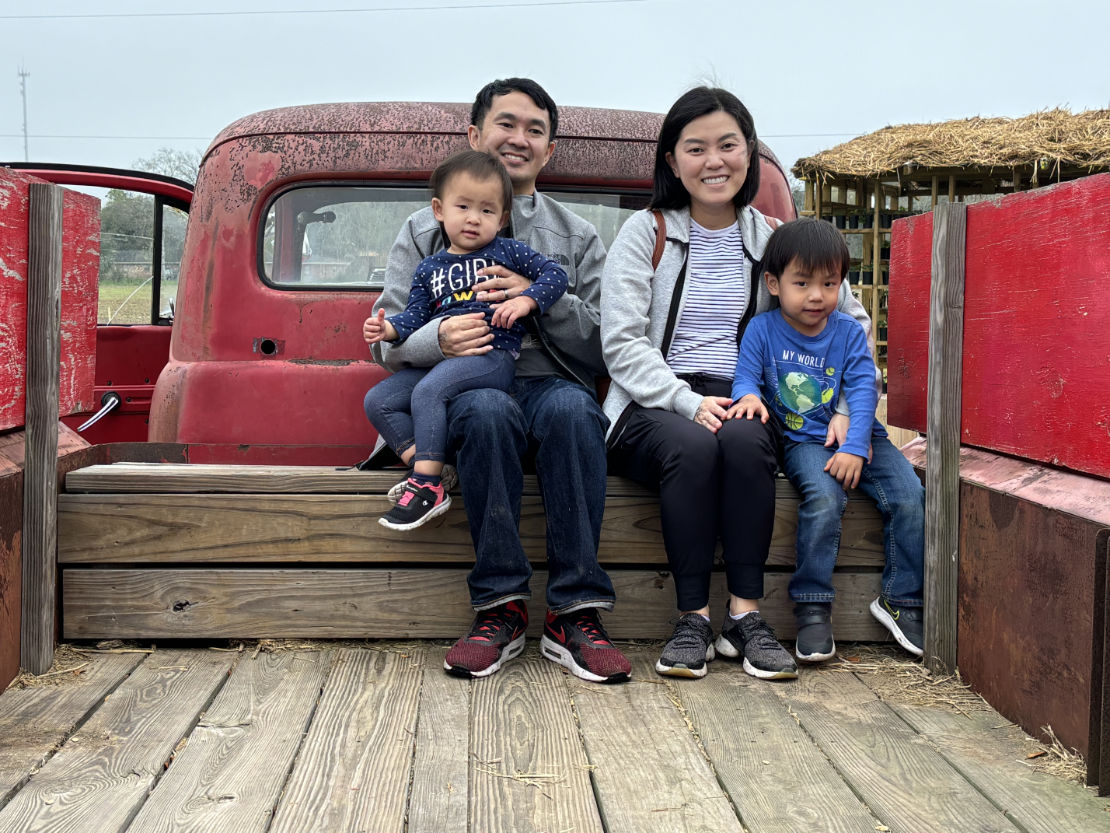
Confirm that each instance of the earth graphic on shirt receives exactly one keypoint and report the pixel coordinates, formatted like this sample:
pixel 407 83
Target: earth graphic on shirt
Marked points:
pixel 802 393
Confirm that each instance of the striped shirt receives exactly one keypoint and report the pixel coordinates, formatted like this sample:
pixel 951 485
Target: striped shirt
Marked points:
pixel 716 295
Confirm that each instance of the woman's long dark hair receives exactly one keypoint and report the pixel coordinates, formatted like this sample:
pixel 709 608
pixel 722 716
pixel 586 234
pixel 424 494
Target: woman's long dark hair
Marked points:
pixel 668 190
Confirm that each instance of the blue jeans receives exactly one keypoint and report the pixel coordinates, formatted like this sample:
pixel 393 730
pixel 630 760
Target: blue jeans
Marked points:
pixel 411 405
pixel 890 481
pixel 561 426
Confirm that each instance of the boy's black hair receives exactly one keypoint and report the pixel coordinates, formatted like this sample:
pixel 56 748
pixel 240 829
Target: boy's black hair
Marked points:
pixel 668 190
pixel 814 243
pixel 480 165
pixel 503 86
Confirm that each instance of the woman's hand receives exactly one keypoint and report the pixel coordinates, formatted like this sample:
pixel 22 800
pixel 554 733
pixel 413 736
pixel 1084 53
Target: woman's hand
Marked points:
pixel 749 406
pixel 712 412
pixel 501 284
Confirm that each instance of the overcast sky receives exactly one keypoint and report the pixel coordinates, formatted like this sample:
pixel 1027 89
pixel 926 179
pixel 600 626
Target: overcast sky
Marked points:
pixel 111 81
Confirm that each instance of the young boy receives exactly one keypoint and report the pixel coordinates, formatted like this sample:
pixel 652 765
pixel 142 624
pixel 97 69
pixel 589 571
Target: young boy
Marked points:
pixel 802 358
pixel 471 196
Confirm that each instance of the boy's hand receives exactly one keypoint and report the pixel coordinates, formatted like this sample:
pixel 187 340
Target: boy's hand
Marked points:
pixel 376 328
pixel 506 313
pixel 845 468
pixel 838 433
pixel 748 406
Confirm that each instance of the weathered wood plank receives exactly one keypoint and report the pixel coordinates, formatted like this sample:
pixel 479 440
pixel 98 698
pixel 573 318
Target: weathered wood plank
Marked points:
pixel 102 775
pixel 649 772
pixel 254 528
pixel 902 780
pixel 779 781
pixel 230 773
pixel 528 769
pixel 35 721
pixel 353 770
pixel 248 603
pixel 439 799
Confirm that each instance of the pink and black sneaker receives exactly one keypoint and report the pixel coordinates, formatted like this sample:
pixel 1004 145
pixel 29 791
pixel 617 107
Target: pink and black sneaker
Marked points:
pixel 496 636
pixel 578 642
pixel 417 505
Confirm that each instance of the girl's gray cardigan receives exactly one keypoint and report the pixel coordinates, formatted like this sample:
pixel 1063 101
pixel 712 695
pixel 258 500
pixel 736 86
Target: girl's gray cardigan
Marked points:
pixel 636 300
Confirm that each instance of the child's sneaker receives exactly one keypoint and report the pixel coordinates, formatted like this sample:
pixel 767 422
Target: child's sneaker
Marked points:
pixel 905 624
pixel 815 637
pixel 689 648
pixel 417 505
pixel 496 636
pixel 578 642
pixel 448 478
pixel 752 638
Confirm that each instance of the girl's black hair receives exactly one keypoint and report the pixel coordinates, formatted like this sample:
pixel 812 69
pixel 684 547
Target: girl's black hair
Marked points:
pixel 668 190
pixel 815 244
pixel 480 165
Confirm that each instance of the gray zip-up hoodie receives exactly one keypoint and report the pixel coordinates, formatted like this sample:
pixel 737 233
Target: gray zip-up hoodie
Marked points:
pixel 566 340
pixel 636 301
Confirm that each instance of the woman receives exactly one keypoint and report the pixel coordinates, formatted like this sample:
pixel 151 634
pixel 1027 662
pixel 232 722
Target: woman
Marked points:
pixel 670 335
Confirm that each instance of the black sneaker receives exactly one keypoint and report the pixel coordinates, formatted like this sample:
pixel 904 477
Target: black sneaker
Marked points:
pixel 753 639
pixel 496 636
pixel 578 642
pixel 689 648
pixel 418 505
pixel 906 624
pixel 448 479
pixel 815 638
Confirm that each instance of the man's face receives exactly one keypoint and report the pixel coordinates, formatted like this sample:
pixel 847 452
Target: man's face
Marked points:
pixel 518 133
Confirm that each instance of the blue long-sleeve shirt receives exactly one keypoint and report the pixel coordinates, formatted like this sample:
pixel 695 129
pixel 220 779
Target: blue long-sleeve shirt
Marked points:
pixel 441 286
pixel 801 377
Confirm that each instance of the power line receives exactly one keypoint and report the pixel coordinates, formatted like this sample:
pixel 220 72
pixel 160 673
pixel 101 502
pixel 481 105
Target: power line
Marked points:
pixel 268 12
pixel 208 138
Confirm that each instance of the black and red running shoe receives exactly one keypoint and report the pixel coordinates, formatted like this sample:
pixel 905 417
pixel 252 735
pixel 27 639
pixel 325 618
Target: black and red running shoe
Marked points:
pixel 578 642
pixel 496 636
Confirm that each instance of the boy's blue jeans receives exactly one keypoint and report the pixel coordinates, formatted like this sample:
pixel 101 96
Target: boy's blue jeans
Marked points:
pixel 411 405
pixel 890 481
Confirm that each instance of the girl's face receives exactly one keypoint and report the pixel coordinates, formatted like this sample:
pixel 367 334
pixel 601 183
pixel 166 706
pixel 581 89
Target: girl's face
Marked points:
pixel 711 160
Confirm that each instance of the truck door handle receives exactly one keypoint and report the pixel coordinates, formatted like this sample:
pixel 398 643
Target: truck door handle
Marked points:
pixel 108 401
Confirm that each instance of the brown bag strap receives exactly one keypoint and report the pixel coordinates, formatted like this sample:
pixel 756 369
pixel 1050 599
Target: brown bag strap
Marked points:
pixel 660 238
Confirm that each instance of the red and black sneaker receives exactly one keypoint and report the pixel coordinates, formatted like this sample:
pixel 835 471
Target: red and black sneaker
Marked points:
pixel 578 642
pixel 496 636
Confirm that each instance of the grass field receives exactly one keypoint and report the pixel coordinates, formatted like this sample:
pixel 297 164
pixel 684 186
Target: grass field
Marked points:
pixel 129 302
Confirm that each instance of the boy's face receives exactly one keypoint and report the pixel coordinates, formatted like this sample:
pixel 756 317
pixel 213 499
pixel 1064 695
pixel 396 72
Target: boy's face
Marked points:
pixel 518 133
pixel 472 212
pixel 806 297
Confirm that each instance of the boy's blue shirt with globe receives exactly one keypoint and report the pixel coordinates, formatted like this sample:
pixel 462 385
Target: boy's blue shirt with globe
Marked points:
pixel 441 286
pixel 801 377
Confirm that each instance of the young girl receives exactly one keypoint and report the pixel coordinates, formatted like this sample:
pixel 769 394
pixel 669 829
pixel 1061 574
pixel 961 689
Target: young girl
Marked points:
pixel 471 196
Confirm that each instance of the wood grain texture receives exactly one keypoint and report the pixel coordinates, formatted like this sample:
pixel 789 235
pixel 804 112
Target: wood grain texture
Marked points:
pixel 230 773
pixel 904 783
pixel 353 769
pixel 439 797
pixel 251 603
pixel 528 769
pixel 35 721
pixel 102 775
pixel 778 780
pixel 650 774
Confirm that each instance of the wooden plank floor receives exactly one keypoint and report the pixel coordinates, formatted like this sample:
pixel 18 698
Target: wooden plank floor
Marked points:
pixel 375 737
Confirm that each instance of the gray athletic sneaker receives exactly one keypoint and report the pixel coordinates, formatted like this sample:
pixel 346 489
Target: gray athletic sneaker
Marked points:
pixel 689 648
pixel 752 639
pixel 448 479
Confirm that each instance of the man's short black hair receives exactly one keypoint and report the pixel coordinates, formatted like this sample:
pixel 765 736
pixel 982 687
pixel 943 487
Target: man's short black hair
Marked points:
pixel 503 86
pixel 815 244
pixel 480 165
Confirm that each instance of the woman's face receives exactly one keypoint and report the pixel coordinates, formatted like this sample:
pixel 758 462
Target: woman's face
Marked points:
pixel 711 160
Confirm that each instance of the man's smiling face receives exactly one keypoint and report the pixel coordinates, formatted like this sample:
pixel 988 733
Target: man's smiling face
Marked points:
pixel 517 132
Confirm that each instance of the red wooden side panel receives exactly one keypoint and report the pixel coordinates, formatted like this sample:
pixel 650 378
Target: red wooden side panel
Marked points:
pixel 80 263
pixel 1036 363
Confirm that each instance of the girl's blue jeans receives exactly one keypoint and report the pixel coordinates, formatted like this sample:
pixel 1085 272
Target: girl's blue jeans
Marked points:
pixel 891 482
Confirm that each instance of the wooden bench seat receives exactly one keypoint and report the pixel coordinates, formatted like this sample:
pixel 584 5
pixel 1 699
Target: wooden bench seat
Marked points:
pixel 163 551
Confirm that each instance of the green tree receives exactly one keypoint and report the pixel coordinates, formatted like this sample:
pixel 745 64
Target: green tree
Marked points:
pixel 182 164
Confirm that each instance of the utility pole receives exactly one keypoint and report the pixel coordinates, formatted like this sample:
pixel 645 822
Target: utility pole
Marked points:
pixel 23 76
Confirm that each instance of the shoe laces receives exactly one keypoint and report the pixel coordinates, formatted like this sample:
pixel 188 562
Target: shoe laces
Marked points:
pixel 489 623
pixel 762 634
pixel 688 634
pixel 586 621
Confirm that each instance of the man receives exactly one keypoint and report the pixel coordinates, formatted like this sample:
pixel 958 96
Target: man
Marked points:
pixel 550 412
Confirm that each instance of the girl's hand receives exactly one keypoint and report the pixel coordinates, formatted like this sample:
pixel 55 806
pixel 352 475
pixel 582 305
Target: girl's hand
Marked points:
pixel 712 411
pixel 505 314
pixel 376 328
pixel 845 468
pixel 749 406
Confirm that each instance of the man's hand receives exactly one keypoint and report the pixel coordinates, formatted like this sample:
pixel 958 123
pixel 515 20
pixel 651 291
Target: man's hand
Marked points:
pixel 376 328
pixel 749 406
pixel 501 284
pixel 845 468
pixel 464 335
pixel 506 313
pixel 711 412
